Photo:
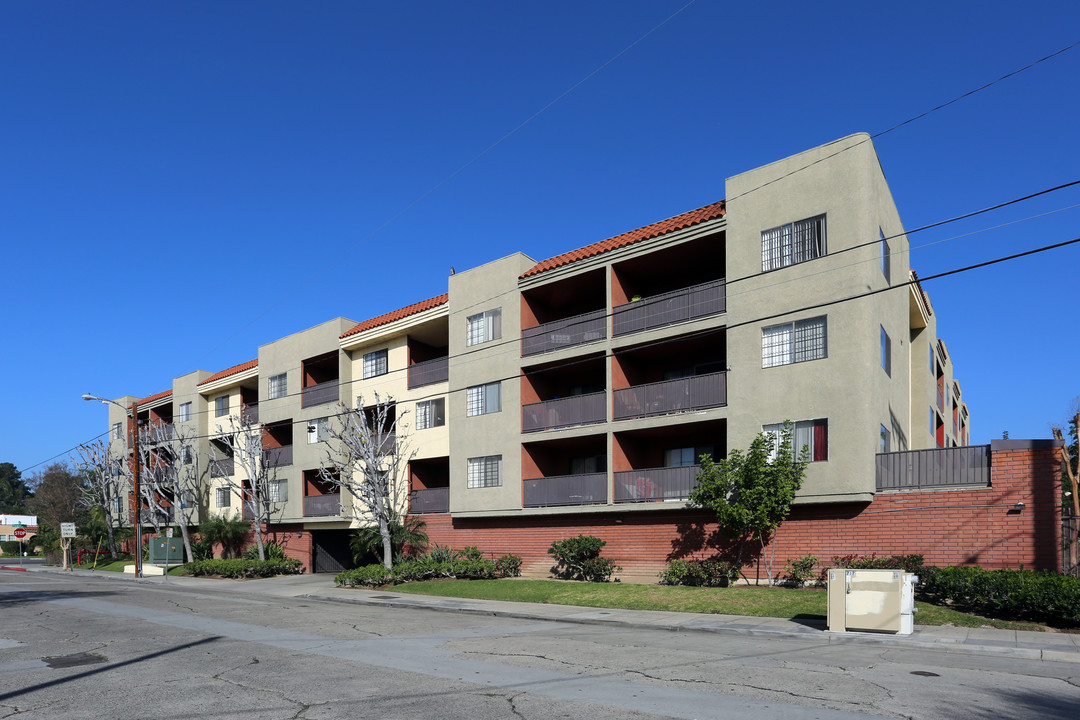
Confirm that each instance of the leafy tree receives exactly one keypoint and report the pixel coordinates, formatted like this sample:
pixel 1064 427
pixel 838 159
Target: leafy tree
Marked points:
pixel 407 536
pixel 229 530
pixel 14 494
pixel 750 492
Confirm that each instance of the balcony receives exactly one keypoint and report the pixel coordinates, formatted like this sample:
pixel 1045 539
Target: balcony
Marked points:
pixel 278 457
pixel 671 307
pixel 564 412
pixel 429 372
pixel 222 468
pixel 322 505
pixel 655 484
pixel 568 332
pixel 321 394
pixel 245 511
pixel 250 414
pixel 590 489
pixel 671 396
pixel 929 469
pixel 431 500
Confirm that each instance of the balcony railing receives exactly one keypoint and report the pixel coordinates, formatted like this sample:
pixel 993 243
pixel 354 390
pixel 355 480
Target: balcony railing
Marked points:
pixel 655 484
pixel 941 399
pixel 559 334
pixel 322 505
pixel 671 307
pixel 245 512
pixel 222 468
pixel 928 469
pixel 431 500
pixel 671 396
pixel 250 414
pixel 590 489
pixel 564 412
pixel 321 394
pixel 429 372
pixel 278 457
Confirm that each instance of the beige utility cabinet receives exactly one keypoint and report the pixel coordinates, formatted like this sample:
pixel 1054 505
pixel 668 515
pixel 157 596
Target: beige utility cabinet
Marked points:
pixel 871 600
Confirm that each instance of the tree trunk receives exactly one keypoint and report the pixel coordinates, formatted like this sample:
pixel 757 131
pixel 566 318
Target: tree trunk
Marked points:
pixel 387 545
pixel 112 539
pixel 257 514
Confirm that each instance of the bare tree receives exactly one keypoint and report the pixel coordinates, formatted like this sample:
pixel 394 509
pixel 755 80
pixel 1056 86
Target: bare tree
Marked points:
pixel 260 493
pixel 171 485
pixel 366 460
pixel 107 485
pixel 1069 471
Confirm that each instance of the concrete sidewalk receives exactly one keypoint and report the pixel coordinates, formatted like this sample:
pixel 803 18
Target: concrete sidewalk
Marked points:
pixel 1021 644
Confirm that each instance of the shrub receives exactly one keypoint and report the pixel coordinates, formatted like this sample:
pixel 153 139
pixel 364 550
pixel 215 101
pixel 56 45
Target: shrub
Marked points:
pixel 508 565
pixel 229 530
pixel 11 547
pixel 908 563
pixel 430 567
pixel 241 569
pixel 202 548
pixel 799 571
pixel 441 553
pixel 1041 596
pixel 579 559
pixel 699 573
pixel 272 550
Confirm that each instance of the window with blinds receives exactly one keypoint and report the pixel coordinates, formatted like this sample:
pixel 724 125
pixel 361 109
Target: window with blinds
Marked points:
pixel 793 243
pixel 794 342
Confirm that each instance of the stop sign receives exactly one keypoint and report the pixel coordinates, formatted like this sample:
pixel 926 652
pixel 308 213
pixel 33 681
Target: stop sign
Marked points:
pixel 20 533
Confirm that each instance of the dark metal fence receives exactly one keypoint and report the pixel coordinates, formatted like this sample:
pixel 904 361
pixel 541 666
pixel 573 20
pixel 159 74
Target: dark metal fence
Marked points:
pixel 222 468
pixel 250 413
pixel 278 457
pixel 564 333
pixel 590 489
pixel 564 412
pixel 655 484
pixel 1070 538
pixel 670 396
pixel 322 505
pixel 430 500
pixel 933 468
pixel 429 372
pixel 321 394
pixel 671 307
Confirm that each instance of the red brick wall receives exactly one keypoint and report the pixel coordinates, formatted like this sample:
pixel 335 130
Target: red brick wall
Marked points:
pixel 948 527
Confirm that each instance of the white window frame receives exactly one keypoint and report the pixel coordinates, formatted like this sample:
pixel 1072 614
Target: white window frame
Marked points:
pixel 483 327
pixel 222 497
pixel 430 413
pixel 118 431
pixel 277 491
pixel 184 412
pixel 376 363
pixel 318 430
pixel 795 342
pixel 221 406
pixel 277 386
pixel 801 430
pixel 483 399
pixel 793 243
pixel 485 471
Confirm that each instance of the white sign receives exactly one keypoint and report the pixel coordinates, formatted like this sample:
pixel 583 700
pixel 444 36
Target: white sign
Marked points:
pixel 168 532
pixel 67 529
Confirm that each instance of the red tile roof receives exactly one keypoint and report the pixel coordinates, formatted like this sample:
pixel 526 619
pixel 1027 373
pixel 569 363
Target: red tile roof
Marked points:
pixel 235 369
pixel 152 398
pixel 404 312
pixel 709 212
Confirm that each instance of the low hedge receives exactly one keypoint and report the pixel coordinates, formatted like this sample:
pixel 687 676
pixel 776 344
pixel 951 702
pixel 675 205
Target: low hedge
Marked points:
pixel 699 573
pixel 1040 596
pixel 240 569
pixel 430 569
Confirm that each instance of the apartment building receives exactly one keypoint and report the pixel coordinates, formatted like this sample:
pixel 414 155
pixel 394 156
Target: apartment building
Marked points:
pixel 584 388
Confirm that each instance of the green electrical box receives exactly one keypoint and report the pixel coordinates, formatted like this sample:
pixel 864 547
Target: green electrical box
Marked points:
pixel 166 549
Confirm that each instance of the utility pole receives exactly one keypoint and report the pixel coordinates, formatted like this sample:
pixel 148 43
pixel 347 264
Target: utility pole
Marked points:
pixel 137 514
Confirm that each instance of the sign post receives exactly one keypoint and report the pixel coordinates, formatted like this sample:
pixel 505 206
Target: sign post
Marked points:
pixel 20 533
pixel 67 531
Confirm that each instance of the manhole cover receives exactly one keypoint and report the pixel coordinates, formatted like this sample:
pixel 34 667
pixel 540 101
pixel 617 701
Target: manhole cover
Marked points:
pixel 66 661
pixel 924 673
pixel 384 597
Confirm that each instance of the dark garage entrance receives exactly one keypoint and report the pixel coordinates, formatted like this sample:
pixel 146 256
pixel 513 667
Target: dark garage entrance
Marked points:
pixel 330 549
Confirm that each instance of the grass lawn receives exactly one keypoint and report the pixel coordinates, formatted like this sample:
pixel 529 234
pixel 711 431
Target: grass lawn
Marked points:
pixel 739 600
pixel 119 565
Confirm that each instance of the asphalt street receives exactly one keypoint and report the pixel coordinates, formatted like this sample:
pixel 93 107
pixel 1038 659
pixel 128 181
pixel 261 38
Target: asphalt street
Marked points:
pixel 80 646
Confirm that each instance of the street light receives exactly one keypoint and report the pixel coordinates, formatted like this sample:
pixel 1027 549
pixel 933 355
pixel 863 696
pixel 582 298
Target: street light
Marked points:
pixel 131 412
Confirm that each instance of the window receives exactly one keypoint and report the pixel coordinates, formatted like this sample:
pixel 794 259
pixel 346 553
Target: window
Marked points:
pixel 687 456
pixel 318 430
pixel 430 413
pixel 117 508
pixel 811 434
pixel 886 261
pixel 484 327
pixel 588 464
pixel 221 406
pixel 886 352
pixel 278 386
pixel 117 431
pixel 793 342
pixel 792 243
pixel 185 412
pixel 187 454
pixel 931 359
pixel 883 446
pixel 222 496
pixel 485 471
pixel 483 399
pixel 277 491
pixel 375 363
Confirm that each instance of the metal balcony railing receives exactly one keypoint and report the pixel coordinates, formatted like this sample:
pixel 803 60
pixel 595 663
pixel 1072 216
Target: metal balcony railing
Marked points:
pixel 321 394
pixel 671 396
pixel 671 307
pixel 933 468
pixel 250 413
pixel 568 332
pixel 222 468
pixel 655 484
pixel 429 372
pixel 278 457
pixel 589 489
pixel 430 500
pixel 322 505
pixel 564 412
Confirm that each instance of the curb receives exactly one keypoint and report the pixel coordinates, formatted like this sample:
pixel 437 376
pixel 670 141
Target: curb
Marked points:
pixel 16 569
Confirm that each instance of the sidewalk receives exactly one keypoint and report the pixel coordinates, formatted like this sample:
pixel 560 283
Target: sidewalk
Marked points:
pixel 1022 644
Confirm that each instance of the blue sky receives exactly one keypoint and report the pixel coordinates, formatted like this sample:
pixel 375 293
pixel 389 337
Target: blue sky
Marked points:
pixel 182 182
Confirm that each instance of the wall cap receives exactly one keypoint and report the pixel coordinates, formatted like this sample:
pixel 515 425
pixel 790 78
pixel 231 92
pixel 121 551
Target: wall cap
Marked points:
pixel 999 445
